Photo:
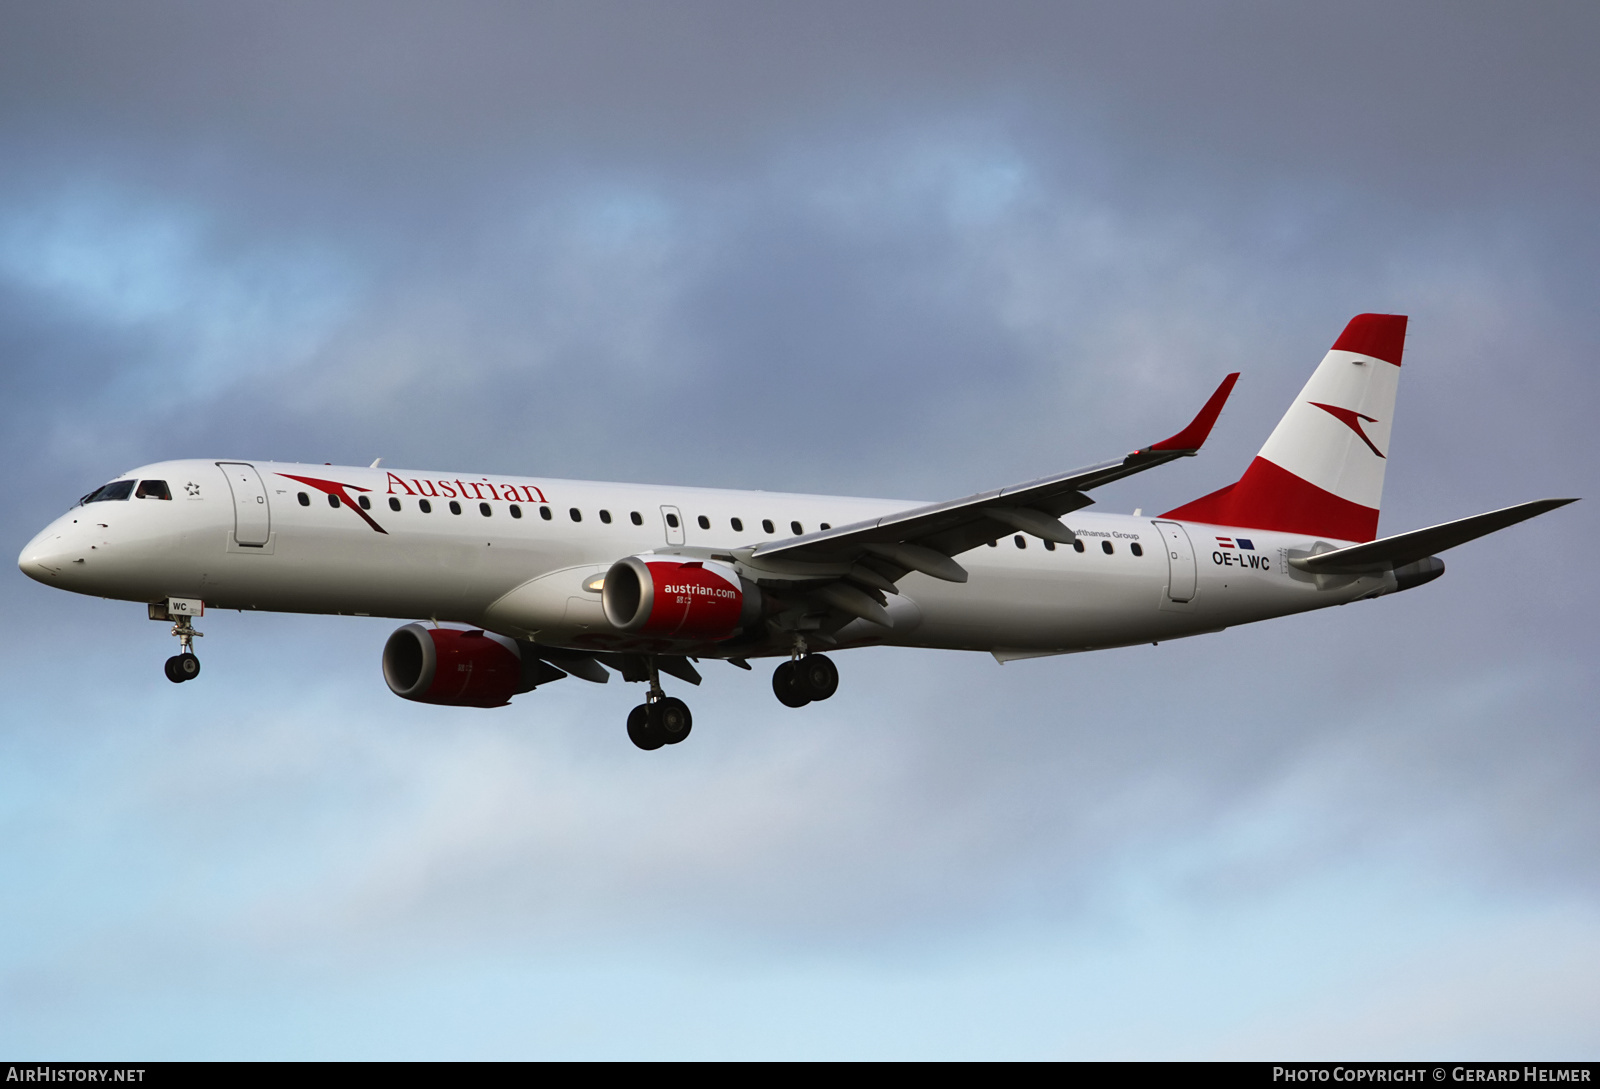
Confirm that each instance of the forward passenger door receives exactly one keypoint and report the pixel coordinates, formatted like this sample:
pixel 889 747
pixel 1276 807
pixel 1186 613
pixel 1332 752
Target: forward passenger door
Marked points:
pixel 252 518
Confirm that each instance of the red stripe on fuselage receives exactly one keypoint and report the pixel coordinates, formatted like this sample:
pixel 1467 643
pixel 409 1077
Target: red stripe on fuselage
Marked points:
pixel 1270 497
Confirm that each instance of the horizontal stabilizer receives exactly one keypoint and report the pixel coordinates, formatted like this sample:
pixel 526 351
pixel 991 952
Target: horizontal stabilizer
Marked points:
pixel 1404 548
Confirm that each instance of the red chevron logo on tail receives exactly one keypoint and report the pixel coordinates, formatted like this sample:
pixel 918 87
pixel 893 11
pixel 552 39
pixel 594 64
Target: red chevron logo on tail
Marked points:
pixel 1352 420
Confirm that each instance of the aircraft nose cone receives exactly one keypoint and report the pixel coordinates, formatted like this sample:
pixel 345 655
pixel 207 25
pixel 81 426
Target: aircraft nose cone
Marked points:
pixel 42 559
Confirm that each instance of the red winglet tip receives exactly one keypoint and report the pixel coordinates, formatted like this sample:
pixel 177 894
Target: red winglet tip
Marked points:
pixel 1382 336
pixel 1194 436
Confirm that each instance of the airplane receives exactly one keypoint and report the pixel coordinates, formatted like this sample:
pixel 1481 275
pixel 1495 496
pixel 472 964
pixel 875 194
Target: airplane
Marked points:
pixel 523 581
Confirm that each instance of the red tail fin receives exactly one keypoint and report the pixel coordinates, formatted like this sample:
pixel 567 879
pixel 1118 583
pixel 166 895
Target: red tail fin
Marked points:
pixel 1321 472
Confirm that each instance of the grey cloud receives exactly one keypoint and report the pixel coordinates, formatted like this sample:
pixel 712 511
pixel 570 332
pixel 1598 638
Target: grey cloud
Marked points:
pixel 843 249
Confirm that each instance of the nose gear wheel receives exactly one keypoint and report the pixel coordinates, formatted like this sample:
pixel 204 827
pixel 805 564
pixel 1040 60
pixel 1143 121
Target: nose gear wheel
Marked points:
pixel 183 666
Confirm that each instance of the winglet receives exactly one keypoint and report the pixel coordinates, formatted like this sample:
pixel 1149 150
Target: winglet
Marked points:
pixel 1193 437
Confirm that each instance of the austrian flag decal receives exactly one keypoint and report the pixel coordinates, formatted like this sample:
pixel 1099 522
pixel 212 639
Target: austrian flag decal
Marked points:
pixel 1242 542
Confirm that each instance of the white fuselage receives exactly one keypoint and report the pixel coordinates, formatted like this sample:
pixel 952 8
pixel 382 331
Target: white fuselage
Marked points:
pixel 291 546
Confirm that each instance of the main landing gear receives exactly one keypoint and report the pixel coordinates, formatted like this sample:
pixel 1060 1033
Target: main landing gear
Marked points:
pixel 805 679
pixel 661 719
pixel 184 666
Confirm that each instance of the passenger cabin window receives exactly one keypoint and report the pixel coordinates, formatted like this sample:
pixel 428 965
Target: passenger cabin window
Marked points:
pixel 705 523
pixel 366 504
pixel 825 526
pixel 1105 546
pixel 394 504
pixel 305 500
pixel 605 516
pixel 636 518
pixel 544 512
pixel 333 501
pixel 516 511
pixel 766 524
pixel 455 508
pixel 483 509
pixel 1077 546
pixel 117 489
pixel 1049 546
pixel 152 489
pixel 738 526
pixel 1021 541
pixel 794 527
pixel 577 515
pixel 424 506
pixel 672 520
pixel 1135 549
pixel 994 544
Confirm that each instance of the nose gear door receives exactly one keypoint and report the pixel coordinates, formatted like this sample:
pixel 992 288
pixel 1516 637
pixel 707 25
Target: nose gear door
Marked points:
pixel 1180 561
pixel 252 519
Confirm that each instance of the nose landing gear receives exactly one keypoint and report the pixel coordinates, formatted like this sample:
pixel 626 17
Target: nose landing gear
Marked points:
pixel 184 666
pixel 661 719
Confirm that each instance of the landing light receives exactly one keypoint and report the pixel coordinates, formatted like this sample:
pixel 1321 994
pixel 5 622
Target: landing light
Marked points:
pixel 596 584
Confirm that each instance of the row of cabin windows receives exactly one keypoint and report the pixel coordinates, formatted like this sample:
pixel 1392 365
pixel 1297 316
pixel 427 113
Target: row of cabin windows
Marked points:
pixel 637 519
pixel 544 512
pixel 157 489
pixel 1077 546
pixel 767 524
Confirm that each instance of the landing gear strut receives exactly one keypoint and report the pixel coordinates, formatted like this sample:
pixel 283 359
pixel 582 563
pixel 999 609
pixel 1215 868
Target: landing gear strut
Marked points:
pixel 661 719
pixel 184 666
pixel 805 679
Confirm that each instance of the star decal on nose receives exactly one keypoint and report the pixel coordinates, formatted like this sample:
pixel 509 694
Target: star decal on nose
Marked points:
pixel 192 488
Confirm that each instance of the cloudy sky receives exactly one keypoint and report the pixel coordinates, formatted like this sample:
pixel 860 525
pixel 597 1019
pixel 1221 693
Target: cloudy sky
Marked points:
pixel 886 249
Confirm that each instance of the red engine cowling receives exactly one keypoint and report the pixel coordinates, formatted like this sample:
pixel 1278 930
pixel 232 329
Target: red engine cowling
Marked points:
pixel 678 599
pixel 452 667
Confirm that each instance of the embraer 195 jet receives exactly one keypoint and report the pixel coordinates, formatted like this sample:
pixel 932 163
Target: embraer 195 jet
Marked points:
pixel 523 581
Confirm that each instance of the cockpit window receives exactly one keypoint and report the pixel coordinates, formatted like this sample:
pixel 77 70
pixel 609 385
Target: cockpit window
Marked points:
pixel 117 489
pixel 152 489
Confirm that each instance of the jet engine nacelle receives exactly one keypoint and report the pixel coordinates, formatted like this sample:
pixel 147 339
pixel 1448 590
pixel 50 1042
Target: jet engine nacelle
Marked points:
pixel 453 667
pixel 678 599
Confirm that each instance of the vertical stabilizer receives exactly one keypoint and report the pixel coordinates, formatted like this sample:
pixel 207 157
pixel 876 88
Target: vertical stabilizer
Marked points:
pixel 1321 471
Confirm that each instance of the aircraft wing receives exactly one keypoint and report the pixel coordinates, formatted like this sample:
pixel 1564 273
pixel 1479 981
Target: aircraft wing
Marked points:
pixel 1404 548
pixel 879 552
